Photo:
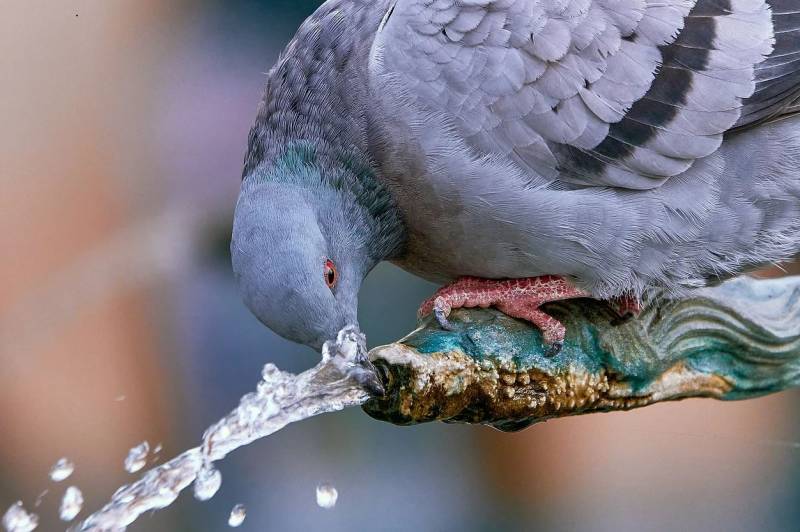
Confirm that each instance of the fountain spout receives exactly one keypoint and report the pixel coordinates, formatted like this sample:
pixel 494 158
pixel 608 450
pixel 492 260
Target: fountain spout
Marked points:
pixel 738 340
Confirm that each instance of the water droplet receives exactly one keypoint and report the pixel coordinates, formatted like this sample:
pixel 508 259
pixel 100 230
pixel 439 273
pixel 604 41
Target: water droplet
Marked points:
pixel 207 484
pixel 62 470
pixel 71 504
pixel 327 496
pixel 137 457
pixel 16 519
pixel 40 498
pixel 238 515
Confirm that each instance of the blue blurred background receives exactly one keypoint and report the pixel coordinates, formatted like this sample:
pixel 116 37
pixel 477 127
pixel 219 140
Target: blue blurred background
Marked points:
pixel 124 125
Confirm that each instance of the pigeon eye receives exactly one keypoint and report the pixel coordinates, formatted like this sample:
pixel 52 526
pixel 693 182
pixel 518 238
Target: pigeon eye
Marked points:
pixel 331 276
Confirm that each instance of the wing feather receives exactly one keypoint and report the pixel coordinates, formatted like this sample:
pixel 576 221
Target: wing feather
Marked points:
pixel 778 77
pixel 596 92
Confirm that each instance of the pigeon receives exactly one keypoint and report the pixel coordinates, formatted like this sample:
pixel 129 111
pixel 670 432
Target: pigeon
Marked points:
pixel 520 152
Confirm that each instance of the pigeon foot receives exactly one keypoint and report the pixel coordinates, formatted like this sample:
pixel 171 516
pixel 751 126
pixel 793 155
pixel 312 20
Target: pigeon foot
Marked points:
pixel 518 298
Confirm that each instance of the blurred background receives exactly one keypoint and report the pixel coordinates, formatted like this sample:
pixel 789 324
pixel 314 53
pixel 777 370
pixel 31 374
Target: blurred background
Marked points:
pixel 124 124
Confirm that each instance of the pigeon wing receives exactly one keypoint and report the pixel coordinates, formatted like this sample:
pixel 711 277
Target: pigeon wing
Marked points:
pixel 778 77
pixel 624 93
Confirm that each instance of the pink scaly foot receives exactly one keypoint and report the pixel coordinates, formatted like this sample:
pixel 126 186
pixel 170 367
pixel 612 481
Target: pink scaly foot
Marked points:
pixel 518 298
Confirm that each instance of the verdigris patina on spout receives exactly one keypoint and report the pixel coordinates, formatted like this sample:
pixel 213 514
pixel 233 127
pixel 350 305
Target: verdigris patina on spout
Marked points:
pixel 738 340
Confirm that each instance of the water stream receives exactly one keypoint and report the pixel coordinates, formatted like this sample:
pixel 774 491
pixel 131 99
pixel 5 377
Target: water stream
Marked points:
pixel 343 378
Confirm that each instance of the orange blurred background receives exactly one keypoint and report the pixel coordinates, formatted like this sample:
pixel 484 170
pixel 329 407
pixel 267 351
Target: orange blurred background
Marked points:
pixel 124 127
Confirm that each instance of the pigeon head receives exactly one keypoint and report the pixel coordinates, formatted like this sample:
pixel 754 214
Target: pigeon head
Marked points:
pixel 304 238
pixel 291 276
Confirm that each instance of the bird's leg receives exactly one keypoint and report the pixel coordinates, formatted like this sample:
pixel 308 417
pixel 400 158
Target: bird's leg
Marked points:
pixel 518 298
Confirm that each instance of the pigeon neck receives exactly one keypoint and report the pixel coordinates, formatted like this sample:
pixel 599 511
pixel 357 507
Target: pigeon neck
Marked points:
pixel 317 91
pixel 340 186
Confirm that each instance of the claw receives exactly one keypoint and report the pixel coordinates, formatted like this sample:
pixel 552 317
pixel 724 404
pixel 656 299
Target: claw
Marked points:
pixel 441 310
pixel 554 349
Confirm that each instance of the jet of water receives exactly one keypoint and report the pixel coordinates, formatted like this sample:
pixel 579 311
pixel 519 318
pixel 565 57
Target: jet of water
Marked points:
pixel 343 378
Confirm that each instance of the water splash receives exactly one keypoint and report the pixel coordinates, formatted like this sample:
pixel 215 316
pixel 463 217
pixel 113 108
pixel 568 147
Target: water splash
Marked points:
pixel 71 504
pixel 207 483
pixel 343 378
pixel 16 519
pixel 238 515
pixel 137 457
pixel 327 496
pixel 62 470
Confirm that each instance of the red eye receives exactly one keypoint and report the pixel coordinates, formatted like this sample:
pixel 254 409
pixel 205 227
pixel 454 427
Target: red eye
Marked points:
pixel 331 276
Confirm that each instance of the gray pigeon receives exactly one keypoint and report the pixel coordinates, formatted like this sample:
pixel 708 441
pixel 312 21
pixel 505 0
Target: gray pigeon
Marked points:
pixel 527 150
